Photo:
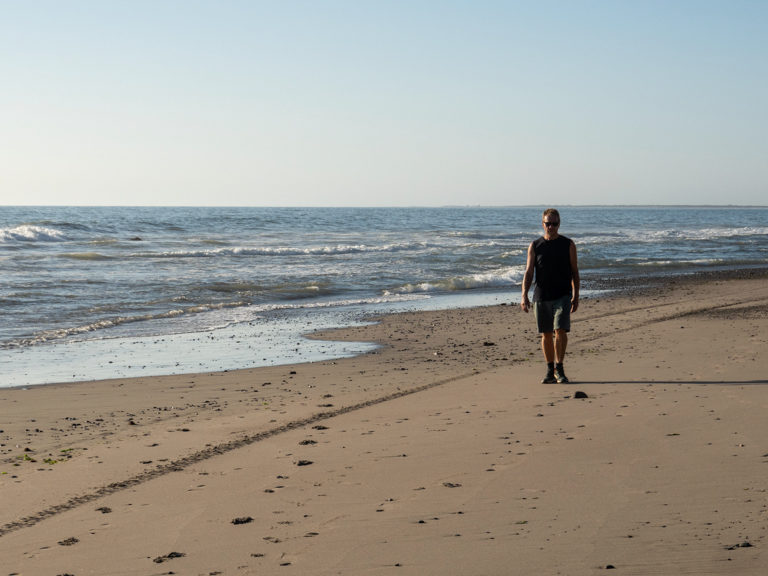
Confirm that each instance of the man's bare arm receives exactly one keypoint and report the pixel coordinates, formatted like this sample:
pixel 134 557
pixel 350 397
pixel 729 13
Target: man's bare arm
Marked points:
pixel 575 280
pixel 525 304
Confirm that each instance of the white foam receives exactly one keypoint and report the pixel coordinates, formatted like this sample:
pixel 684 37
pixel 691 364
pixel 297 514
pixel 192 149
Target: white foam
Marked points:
pixel 107 323
pixel 31 233
pixel 339 249
pixel 500 278
pixel 680 263
pixel 200 318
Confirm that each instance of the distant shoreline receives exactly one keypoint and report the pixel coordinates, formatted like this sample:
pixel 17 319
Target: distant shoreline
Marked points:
pixel 400 207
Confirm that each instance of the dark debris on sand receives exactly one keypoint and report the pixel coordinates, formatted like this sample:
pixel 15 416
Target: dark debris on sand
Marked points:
pixel 69 542
pixel 169 556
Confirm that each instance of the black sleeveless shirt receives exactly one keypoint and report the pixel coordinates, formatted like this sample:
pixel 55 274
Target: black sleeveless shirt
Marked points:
pixel 553 268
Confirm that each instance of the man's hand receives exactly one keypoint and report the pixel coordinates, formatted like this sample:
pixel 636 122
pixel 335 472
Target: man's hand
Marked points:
pixel 525 304
pixel 574 304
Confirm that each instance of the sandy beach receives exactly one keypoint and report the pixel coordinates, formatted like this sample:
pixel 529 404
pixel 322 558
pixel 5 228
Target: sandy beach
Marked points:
pixel 440 453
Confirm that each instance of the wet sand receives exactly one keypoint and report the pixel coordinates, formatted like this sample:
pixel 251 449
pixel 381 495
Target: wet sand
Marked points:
pixel 440 453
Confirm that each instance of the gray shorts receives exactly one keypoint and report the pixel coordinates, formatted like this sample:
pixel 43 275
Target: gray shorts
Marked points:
pixel 553 314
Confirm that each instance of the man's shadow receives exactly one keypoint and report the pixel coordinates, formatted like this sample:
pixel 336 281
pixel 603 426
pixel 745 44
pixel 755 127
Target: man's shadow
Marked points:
pixel 670 382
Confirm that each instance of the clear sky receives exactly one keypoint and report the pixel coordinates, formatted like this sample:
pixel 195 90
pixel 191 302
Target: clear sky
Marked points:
pixel 383 102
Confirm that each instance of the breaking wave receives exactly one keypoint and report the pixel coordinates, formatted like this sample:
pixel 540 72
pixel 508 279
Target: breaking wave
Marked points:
pixel 502 278
pixel 31 233
pixel 339 249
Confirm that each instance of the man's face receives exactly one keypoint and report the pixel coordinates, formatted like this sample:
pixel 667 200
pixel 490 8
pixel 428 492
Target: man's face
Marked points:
pixel 550 224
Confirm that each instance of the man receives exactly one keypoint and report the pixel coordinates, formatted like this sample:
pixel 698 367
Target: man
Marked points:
pixel 553 259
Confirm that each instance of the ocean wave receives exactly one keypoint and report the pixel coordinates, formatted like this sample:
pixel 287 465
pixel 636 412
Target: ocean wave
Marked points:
pixel 106 323
pixel 31 233
pixel 697 234
pixel 519 252
pixel 65 224
pixel 641 263
pixel 641 237
pixel 386 298
pixel 287 290
pixel 497 236
pixel 339 249
pixel 504 277
pixel 85 256
pixel 681 263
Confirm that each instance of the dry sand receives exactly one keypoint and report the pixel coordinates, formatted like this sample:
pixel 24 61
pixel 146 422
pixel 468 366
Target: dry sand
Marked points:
pixel 440 454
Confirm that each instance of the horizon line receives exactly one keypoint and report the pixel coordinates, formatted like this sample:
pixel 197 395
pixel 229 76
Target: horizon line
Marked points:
pixel 403 206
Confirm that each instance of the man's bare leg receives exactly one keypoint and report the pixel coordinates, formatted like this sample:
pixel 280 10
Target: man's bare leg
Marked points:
pixel 561 343
pixel 548 347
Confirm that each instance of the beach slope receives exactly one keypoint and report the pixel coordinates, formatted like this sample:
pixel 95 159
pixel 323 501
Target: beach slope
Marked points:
pixel 440 453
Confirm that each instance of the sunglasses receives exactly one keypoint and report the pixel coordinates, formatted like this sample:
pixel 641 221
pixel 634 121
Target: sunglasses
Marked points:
pixel 548 224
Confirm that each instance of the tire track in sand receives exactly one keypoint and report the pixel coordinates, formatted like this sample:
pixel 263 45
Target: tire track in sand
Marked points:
pixel 210 452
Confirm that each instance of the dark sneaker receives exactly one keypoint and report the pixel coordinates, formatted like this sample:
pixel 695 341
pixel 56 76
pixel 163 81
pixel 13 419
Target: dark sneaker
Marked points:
pixel 561 377
pixel 549 378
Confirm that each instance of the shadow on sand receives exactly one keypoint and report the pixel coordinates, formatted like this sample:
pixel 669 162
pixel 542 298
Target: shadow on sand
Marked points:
pixel 672 382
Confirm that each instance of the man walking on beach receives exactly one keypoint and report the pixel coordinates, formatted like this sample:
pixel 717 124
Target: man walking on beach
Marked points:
pixel 553 259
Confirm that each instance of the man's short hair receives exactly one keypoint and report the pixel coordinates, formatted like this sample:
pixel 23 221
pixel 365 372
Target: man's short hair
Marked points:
pixel 551 212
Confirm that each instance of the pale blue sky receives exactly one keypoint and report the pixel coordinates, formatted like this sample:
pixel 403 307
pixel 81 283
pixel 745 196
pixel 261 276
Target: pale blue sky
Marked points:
pixel 376 103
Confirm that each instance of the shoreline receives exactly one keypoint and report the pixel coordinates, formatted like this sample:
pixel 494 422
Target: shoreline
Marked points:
pixel 283 340
pixel 278 339
pixel 139 447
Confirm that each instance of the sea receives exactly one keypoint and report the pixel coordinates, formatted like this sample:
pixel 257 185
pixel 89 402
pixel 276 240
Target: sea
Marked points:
pixel 105 292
